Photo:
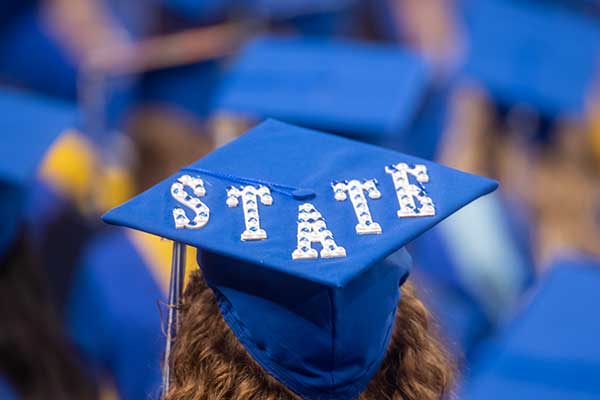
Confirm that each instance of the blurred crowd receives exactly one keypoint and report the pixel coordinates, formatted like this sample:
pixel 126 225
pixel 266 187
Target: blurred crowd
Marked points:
pixel 136 90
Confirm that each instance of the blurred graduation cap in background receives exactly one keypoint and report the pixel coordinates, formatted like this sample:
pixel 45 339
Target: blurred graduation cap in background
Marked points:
pixel 240 203
pixel 44 173
pixel 30 125
pixel 374 93
pixel 31 35
pixel 532 54
pixel 550 350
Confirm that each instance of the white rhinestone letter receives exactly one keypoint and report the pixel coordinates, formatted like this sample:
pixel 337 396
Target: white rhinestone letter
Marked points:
pixel 312 228
pixel 200 209
pixel 355 190
pixel 408 192
pixel 249 195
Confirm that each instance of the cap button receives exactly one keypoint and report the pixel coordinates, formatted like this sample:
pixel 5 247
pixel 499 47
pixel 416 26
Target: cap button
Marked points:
pixel 303 194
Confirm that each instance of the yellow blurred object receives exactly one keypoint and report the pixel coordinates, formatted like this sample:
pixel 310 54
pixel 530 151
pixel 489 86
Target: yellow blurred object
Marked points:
pixel 157 251
pixel 69 166
pixel 73 168
pixel 115 185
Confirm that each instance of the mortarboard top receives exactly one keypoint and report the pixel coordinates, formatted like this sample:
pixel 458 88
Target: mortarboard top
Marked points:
pixel 535 61
pixel 306 202
pixel 29 125
pixel 550 351
pixel 364 90
pixel 300 159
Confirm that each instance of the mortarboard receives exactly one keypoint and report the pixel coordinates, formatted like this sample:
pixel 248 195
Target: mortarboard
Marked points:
pixel 25 44
pixel 29 126
pixel 550 350
pixel 367 91
pixel 298 234
pixel 188 88
pixel 535 62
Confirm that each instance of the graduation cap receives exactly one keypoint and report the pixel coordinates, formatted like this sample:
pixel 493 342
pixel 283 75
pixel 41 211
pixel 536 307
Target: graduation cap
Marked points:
pixel 366 91
pixel 187 88
pixel 550 351
pixel 532 54
pixel 29 125
pixel 298 234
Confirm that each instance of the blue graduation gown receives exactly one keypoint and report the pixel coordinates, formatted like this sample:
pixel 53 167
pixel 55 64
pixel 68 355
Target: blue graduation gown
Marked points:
pixel 550 349
pixel 113 315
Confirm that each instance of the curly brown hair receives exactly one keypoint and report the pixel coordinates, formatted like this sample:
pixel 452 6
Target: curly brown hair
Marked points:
pixel 209 363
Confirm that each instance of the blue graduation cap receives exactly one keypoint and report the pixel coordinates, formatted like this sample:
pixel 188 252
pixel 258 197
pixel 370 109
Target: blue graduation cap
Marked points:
pixel 188 88
pixel 29 125
pixel 293 229
pixel 550 351
pixel 366 91
pixel 532 54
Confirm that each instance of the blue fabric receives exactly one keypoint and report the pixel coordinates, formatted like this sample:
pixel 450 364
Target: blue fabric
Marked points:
pixel 272 9
pixel 550 351
pixel 11 209
pixel 463 322
pixel 113 317
pixel 308 335
pixel 6 392
pixel 319 326
pixel 10 9
pixel 424 136
pixel 385 25
pixel 43 205
pixel 469 289
pixel 591 7
pixel 368 91
pixel 189 88
pixel 25 45
pixel 198 10
pixel 535 62
pixel 29 125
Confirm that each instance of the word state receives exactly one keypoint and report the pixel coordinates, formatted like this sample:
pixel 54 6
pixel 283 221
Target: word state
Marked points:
pixel 412 198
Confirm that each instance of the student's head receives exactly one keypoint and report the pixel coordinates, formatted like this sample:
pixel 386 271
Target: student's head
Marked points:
pixel 210 363
pixel 301 238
